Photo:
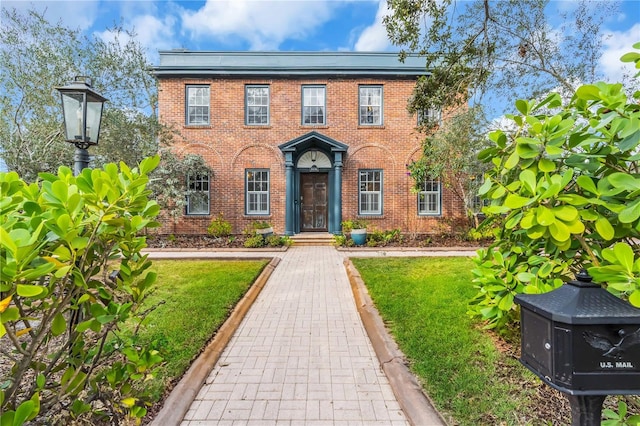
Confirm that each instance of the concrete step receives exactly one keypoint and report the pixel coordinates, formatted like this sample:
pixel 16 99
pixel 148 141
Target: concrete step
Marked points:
pixel 313 239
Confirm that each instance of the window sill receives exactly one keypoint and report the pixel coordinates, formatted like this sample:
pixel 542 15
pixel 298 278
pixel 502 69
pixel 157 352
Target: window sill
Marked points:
pixel 196 215
pixel 314 126
pixel 371 126
pixel 257 126
pixel 260 216
pixel 425 215
pixel 198 126
pixel 371 216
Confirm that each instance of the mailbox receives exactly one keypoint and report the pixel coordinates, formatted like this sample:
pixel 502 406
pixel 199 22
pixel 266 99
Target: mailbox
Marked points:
pixel 581 340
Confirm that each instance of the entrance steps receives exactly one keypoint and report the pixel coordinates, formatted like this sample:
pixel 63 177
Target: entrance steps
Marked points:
pixel 313 239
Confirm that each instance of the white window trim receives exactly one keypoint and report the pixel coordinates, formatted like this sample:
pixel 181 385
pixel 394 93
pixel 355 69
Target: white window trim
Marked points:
pixel 425 193
pixel 189 105
pixel 202 179
pixel 362 105
pixel 323 106
pixel 248 87
pixel 380 193
pixel 247 193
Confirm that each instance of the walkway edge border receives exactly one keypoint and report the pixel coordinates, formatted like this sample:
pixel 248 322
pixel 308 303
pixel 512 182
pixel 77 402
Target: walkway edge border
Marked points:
pixel 416 406
pixel 179 400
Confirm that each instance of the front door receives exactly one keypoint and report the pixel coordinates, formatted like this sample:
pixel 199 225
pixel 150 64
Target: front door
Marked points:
pixel 313 201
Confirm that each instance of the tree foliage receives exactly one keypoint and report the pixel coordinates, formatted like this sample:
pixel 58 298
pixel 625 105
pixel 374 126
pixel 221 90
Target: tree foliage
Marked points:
pixel 72 274
pixel 567 182
pixel 451 154
pixel 37 57
pixel 507 47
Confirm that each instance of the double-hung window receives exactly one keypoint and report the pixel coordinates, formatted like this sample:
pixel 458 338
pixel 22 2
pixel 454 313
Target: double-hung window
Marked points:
pixel 430 115
pixel 370 105
pixel 257 191
pixel 197 105
pixel 313 105
pixel 370 192
pixel 257 105
pixel 429 198
pixel 198 194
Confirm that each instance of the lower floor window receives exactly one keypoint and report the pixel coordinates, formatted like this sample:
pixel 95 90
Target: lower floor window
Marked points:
pixel 370 192
pixel 257 191
pixel 429 198
pixel 198 194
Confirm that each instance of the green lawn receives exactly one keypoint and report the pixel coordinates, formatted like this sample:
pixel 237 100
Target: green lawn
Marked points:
pixel 194 298
pixel 424 303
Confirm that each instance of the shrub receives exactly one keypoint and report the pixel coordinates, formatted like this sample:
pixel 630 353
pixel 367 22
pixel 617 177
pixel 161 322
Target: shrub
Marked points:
pixel 62 304
pixel 255 241
pixel 567 184
pixel 219 227
pixel 351 224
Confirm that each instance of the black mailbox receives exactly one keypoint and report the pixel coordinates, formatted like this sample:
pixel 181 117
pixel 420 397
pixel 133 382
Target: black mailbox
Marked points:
pixel 581 340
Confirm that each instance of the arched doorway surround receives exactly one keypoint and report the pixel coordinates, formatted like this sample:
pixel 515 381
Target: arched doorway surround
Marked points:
pixel 313 173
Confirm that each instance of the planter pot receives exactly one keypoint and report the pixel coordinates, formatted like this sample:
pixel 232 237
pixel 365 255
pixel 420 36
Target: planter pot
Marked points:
pixel 265 232
pixel 359 236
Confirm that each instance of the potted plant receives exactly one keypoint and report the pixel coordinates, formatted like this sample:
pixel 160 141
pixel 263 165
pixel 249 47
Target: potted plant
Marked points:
pixel 357 228
pixel 263 228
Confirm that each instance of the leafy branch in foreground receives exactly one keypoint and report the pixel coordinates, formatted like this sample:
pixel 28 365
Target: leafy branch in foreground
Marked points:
pixel 72 274
pixel 567 183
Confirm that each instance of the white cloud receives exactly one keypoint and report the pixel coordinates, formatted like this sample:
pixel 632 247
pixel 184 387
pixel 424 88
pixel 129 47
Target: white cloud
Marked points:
pixel 374 37
pixel 264 24
pixel 616 44
pixel 155 33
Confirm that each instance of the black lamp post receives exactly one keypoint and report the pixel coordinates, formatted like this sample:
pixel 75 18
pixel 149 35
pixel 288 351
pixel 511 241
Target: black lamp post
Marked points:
pixel 82 108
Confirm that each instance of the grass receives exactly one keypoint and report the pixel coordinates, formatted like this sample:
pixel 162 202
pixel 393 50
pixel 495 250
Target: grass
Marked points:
pixel 193 298
pixel 424 303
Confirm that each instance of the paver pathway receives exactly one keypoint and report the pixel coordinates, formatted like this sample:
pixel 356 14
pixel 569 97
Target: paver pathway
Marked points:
pixel 300 356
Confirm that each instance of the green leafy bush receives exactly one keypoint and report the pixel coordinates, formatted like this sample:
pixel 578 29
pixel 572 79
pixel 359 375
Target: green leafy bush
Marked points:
pixel 351 224
pixel 219 227
pixel 567 183
pixel 255 241
pixel 72 273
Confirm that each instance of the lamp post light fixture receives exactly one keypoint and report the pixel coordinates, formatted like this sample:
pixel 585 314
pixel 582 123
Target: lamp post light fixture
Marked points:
pixel 82 108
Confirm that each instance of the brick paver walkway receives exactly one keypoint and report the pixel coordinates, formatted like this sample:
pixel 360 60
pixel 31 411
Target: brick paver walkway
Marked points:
pixel 300 356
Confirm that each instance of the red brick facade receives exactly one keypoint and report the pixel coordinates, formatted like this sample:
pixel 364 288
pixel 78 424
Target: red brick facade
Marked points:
pixel 229 146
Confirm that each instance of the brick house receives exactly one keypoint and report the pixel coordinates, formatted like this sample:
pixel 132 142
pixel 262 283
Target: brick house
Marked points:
pixel 302 140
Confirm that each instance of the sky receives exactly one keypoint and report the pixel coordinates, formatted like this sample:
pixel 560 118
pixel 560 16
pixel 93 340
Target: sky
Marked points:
pixel 283 25
pixel 286 25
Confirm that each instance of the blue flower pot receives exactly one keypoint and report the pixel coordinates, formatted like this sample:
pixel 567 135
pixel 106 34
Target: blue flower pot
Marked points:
pixel 359 236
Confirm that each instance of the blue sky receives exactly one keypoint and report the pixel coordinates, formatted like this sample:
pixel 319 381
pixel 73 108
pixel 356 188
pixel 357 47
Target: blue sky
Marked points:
pixel 286 25
pixel 304 25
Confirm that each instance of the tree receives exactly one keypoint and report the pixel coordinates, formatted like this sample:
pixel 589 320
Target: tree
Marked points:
pixel 37 57
pixel 451 155
pixel 508 48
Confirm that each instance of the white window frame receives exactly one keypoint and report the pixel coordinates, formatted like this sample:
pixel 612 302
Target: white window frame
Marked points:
pixel 200 102
pixel 314 98
pixel 370 192
pixel 255 102
pixel 200 183
pixel 257 199
pixel 370 105
pixel 430 198
pixel 433 115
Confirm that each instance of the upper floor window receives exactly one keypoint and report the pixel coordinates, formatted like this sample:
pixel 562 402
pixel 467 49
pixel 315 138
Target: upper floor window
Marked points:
pixel 429 198
pixel 370 105
pixel 370 192
pixel 257 191
pixel 313 104
pixel 198 194
pixel 431 115
pixel 197 105
pixel 257 105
